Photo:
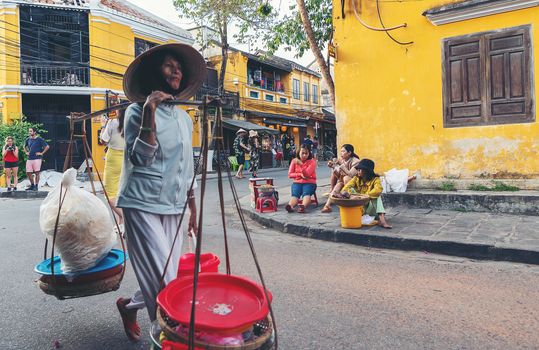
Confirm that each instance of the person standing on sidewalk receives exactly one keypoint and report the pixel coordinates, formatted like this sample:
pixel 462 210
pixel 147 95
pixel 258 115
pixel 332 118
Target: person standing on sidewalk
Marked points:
pixel 254 147
pixel 157 170
pixel 34 147
pixel 239 149
pixel 302 171
pixel 10 154
pixel 113 137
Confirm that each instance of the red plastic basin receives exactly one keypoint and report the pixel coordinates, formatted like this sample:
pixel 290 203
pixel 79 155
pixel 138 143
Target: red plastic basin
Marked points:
pixel 224 302
pixel 208 263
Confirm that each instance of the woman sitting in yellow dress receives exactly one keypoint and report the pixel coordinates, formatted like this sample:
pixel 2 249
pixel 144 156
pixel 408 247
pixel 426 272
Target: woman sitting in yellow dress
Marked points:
pixel 366 181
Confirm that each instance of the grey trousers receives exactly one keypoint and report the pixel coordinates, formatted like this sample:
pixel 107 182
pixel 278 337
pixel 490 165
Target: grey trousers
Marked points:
pixel 149 242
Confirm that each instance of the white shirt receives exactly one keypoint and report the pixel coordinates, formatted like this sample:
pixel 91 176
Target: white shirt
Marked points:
pixel 112 136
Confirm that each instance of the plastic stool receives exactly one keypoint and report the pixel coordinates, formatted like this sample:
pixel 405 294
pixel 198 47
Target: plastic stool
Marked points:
pixel 266 204
pixel 314 200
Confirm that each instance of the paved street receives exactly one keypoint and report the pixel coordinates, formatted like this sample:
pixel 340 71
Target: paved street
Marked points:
pixel 326 295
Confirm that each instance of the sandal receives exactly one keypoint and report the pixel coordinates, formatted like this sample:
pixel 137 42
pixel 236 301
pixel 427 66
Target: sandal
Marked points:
pixel 289 208
pixel 326 209
pixel 132 328
pixel 301 209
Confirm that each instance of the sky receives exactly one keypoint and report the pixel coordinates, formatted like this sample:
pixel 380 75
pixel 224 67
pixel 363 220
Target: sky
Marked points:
pixel 165 9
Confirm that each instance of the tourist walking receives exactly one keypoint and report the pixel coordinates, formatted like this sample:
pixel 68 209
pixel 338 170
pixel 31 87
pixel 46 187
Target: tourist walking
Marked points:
pixel 34 147
pixel 240 147
pixel 254 153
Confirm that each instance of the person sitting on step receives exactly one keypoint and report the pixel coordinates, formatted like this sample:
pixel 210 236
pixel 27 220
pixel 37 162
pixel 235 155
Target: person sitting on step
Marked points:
pixel 366 181
pixel 343 171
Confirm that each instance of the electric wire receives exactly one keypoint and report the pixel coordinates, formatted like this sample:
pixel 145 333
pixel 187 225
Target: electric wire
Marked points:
pixel 404 43
pixel 354 5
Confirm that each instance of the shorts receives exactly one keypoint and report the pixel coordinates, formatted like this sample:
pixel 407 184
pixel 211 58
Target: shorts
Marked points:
pixel 33 165
pixel 300 190
pixel 241 159
pixel 8 165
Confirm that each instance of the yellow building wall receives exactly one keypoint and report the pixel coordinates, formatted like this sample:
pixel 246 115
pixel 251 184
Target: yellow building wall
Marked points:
pixel 236 81
pixel 389 97
pixel 11 106
pixel 9 47
pixel 111 49
pixel 10 102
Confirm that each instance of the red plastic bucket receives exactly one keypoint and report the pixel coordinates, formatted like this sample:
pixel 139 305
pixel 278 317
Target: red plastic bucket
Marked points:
pixel 208 263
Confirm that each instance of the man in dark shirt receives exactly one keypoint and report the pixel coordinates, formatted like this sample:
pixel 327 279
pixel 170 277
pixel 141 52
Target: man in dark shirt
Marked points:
pixel 34 147
pixel 308 142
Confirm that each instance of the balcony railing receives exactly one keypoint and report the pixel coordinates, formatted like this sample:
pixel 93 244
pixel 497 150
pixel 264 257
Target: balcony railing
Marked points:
pixel 55 73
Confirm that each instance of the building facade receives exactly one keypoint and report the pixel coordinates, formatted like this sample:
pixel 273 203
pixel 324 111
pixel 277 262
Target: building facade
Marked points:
pixel 274 92
pixel 62 56
pixel 450 92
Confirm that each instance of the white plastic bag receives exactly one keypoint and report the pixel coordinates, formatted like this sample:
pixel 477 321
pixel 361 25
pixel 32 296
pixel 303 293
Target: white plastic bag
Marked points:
pixel 85 233
pixel 397 180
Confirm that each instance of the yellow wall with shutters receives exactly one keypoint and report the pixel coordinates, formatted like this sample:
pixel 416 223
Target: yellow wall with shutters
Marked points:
pixel 389 97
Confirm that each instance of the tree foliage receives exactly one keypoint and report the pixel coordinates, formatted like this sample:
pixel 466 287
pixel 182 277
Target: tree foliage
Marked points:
pixel 289 33
pixel 219 14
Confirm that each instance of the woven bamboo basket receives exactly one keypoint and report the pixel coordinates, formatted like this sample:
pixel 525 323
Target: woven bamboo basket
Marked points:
pixel 77 290
pixel 262 342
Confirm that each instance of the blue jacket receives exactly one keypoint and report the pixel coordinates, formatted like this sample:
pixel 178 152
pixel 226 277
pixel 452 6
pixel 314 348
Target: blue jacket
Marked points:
pixel 156 178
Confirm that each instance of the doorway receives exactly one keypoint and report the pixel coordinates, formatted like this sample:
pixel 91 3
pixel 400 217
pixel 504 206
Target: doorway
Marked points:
pixel 51 111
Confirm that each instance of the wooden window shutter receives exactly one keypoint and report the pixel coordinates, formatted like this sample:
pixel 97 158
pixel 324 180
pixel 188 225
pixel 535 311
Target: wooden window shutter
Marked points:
pixel 509 98
pixel 463 82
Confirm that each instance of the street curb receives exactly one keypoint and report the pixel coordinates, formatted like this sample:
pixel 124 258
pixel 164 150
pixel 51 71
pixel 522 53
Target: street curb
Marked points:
pixel 524 203
pixel 391 241
pixel 24 194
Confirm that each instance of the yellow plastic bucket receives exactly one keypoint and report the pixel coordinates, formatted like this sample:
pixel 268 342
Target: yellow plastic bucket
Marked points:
pixel 351 216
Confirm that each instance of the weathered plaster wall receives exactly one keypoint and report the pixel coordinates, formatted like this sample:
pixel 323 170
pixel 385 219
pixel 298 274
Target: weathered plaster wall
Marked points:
pixel 389 97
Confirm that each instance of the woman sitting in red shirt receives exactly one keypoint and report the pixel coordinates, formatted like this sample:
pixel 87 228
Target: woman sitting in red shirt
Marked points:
pixel 303 171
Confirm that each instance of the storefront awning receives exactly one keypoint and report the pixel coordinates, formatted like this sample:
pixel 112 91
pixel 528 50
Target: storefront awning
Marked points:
pixel 297 125
pixel 277 117
pixel 233 124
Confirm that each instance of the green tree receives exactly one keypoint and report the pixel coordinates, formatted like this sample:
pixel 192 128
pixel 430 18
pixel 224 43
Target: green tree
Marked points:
pixel 220 14
pixel 308 26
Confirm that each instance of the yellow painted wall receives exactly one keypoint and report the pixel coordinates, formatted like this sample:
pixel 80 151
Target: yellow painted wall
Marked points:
pixel 236 81
pixel 9 64
pixel 11 106
pixel 9 47
pixel 389 97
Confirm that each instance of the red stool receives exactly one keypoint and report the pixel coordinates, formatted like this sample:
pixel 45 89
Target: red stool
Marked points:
pixel 314 200
pixel 266 204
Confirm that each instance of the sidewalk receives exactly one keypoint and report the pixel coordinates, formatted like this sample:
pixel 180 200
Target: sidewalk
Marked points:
pixel 261 173
pixel 477 235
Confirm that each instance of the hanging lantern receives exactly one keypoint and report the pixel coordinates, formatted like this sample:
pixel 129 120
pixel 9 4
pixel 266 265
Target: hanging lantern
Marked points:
pixel 295 129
